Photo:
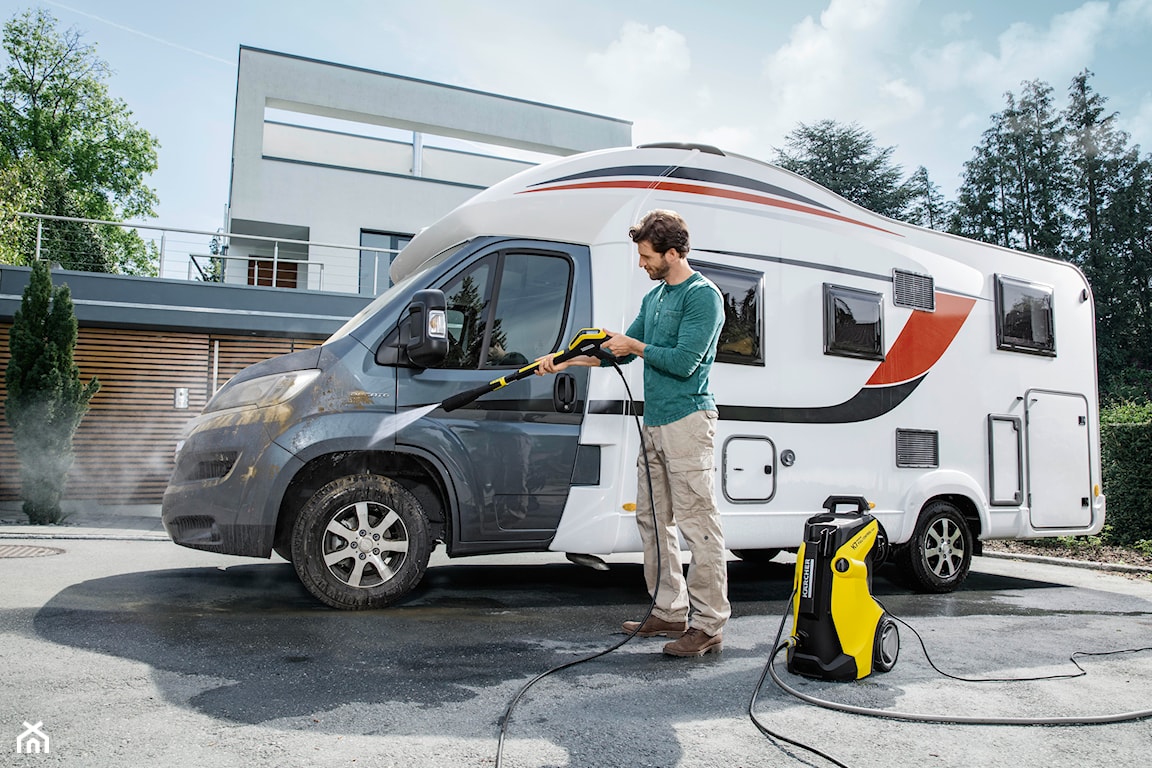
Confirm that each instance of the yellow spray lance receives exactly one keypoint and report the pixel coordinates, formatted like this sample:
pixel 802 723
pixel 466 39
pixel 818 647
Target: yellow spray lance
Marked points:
pixel 586 342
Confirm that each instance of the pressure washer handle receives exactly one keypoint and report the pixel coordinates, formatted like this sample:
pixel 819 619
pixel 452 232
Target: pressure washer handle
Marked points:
pixel 587 342
pixel 861 503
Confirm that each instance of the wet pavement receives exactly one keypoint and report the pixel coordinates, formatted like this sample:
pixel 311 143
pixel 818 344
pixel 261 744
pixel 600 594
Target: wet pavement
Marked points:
pixel 141 652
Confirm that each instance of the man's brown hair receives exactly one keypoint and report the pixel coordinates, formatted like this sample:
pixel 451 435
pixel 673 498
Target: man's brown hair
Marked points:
pixel 664 229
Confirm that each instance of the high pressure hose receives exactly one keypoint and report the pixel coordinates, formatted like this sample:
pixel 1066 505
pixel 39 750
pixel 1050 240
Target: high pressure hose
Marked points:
pixel 770 668
pixel 651 606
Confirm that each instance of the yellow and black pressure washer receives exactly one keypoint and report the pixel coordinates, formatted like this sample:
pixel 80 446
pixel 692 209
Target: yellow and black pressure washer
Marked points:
pixel 839 631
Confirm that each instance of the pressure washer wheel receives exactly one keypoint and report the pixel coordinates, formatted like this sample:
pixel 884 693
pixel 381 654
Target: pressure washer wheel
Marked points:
pixel 887 645
pixel 361 542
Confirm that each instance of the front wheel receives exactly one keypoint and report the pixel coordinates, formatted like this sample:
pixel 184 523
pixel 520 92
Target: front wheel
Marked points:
pixel 940 551
pixel 361 542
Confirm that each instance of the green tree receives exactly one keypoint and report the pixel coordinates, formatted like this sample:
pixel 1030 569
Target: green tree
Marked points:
pixel 926 206
pixel 846 160
pixel 1015 186
pixel 68 148
pixel 46 399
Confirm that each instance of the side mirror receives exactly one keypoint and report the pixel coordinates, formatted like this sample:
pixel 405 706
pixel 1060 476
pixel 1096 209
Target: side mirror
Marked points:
pixel 424 333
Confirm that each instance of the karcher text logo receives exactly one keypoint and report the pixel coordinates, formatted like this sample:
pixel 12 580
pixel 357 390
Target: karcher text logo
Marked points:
pixel 33 741
pixel 806 579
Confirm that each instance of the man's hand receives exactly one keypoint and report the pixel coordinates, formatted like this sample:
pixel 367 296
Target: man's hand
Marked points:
pixel 622 346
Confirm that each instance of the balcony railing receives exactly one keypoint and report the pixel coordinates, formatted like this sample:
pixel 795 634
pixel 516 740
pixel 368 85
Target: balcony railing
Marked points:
pixel 205 256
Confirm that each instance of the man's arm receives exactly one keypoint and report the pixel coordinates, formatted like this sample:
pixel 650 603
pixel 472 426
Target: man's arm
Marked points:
pixel 703 314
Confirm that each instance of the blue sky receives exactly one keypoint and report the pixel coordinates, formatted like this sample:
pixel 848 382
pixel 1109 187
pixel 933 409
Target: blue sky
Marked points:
pixel 922 75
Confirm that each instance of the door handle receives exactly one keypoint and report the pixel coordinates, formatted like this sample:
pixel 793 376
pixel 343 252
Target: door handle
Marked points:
pixel 564 393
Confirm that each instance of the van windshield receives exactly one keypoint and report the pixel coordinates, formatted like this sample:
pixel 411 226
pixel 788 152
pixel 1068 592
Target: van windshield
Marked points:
pixel 400 288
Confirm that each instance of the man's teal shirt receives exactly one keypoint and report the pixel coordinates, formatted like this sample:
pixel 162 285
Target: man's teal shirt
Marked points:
pixel 679 325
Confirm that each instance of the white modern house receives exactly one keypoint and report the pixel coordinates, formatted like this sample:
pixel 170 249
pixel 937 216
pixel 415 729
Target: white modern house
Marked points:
pixel 326 155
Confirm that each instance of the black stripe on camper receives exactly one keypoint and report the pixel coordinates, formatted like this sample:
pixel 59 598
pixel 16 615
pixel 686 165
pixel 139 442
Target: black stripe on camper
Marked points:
pixel 868 403
pixel 689 174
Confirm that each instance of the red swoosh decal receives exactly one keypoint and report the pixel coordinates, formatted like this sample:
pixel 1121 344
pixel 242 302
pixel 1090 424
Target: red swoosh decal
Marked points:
pixel 696 189
pixel 923 340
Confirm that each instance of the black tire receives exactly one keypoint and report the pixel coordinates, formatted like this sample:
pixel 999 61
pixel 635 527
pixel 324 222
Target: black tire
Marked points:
pixel 756 556
pixel 940 552
pixel 361 542
pixel 886 647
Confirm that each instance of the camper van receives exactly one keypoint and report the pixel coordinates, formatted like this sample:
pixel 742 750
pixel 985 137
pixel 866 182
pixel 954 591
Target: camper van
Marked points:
pixel 949 382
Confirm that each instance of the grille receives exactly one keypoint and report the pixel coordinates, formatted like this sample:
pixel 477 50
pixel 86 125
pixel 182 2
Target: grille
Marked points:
pixel 917 448
pixel 196 528
pixel 913 290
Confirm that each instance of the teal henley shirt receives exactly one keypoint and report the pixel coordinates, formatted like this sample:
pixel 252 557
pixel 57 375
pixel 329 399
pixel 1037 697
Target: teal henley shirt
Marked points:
pixel 679 325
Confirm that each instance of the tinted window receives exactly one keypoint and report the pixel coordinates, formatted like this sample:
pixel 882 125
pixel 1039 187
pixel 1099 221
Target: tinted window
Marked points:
pixel 853 323
pixel 1024 320
pixel 530 309
pixel 467 297
pixel 740 338
pixel 530 293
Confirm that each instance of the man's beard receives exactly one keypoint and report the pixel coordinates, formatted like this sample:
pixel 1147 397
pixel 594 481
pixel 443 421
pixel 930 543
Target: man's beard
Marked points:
pixel 660 272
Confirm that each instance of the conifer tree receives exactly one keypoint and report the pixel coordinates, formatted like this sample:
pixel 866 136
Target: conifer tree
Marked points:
pixel 46 400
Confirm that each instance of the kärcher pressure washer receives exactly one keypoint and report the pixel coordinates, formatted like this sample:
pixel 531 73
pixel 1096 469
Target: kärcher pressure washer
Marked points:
pixel 839 631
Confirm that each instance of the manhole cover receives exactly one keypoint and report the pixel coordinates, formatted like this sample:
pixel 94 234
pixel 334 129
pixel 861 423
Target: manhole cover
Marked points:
pixel 26 550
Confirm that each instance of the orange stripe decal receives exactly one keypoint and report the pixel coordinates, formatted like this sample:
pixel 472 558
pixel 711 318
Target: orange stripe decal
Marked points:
pixel 696 189
pixel 923 340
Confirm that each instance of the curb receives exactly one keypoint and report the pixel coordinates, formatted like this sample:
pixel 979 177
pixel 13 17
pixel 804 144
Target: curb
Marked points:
pixel 1069 563
pixel 88 535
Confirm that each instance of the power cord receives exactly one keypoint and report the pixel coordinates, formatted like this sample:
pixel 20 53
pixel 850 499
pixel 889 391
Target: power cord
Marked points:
pixel 651 606
pixel 770 668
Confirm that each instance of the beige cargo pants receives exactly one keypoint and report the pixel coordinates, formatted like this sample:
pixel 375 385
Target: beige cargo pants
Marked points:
pixel 680 456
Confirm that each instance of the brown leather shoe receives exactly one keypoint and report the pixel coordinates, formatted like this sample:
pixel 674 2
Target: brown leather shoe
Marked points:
pixel 695 642
pixel 654 626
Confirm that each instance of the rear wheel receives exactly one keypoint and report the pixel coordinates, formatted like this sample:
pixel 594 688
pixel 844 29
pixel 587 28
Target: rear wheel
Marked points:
pixel 361 542
pixel 940 551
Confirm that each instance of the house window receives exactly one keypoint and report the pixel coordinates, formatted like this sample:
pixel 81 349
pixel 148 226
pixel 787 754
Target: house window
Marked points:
pixel 853 322
pixel 1024 321
pixel 280 274
pixel 741 339
pixel 379 249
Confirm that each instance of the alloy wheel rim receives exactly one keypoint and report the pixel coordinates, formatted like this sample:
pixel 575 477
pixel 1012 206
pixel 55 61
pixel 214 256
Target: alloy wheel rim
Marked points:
pixel 365 544
pixel 944 548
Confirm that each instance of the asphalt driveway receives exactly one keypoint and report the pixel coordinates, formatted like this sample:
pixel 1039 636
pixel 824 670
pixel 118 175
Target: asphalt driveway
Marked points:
pixel 138 652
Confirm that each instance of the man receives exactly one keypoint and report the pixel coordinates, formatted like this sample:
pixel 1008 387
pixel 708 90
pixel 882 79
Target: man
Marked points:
pixel 676 334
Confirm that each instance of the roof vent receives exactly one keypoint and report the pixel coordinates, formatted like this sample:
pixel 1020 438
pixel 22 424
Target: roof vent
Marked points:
pixel 705 148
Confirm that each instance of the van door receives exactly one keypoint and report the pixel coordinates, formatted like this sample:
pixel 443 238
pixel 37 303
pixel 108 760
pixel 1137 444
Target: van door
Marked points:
pixel 509 304
pixel 1059 459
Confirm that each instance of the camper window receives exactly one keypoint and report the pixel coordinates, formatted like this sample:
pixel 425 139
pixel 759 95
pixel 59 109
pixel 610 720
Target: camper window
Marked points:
pixel 853 322
pixel 1024 321
pixel 741 337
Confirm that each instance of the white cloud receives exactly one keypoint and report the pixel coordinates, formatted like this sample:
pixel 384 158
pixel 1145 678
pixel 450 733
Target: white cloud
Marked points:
pixel 642 61
pixel 844 66
pixel 1023 52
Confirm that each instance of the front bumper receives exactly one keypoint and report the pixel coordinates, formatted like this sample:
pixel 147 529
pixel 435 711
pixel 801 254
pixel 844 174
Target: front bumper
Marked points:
pixel 225 492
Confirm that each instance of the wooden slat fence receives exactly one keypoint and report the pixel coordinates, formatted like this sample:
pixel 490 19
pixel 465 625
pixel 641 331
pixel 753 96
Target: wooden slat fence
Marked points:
pixel 124 447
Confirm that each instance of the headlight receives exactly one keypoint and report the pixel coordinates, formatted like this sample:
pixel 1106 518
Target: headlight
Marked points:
pixel 261 392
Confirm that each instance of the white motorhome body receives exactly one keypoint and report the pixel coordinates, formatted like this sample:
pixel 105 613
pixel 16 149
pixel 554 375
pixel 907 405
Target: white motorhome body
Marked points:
pixel 949 382
pixel 982 391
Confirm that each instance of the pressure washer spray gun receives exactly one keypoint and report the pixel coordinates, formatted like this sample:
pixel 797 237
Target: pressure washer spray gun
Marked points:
pixel 587 342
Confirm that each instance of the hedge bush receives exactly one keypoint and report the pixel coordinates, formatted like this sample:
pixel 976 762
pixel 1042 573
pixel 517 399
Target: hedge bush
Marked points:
pixel 1126 455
